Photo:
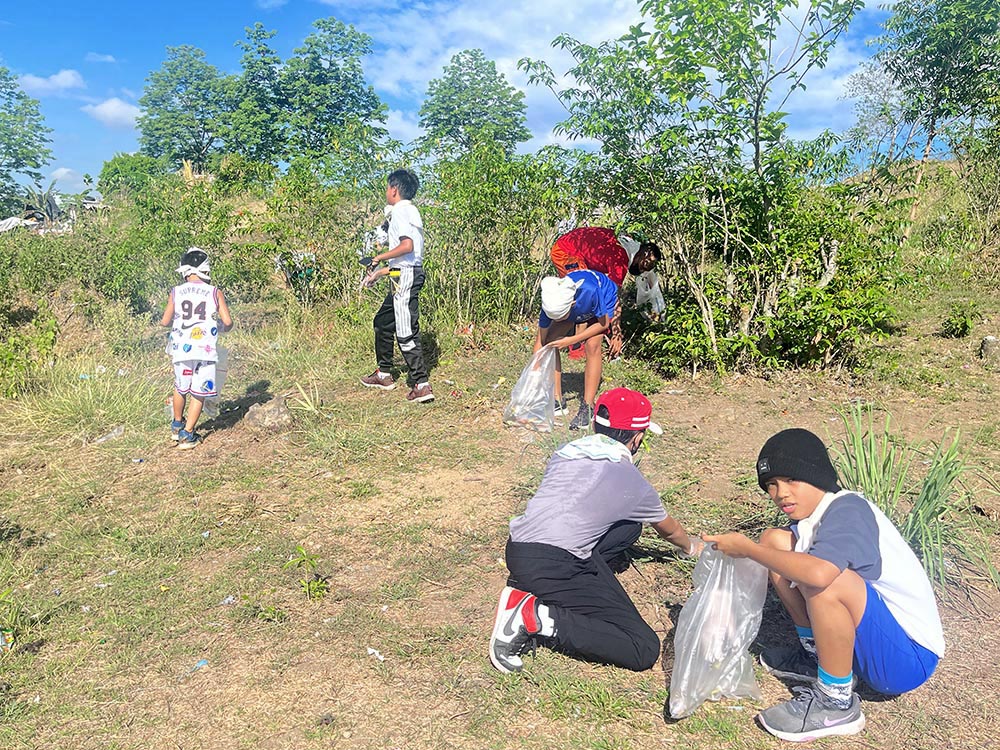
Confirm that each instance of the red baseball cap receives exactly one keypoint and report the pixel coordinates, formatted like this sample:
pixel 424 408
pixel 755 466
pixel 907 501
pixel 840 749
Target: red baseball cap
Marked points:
pixel 627 410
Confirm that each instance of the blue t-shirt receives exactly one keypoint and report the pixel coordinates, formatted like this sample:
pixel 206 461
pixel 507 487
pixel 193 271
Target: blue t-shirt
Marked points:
pixel 597 296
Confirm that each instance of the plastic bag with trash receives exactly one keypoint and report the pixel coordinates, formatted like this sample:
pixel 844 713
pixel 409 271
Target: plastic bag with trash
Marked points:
pixel 648 296
pixel 211 407
pixel 532 402
pixel 715 628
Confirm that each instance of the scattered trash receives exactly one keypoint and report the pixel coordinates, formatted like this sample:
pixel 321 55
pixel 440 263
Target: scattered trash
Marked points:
pixel 6 640
pixel 113 435
pixel 85 608
pixel 206 534
pixel 100 369
pixel 122 372
pixel 198 665
pixel 57 592
pixel 100 585
pixel 449 382
pixel 138 460
pixel 111 573
pixel 375 652
pixel 385 607
pixel 499 383
pixel 228 600
pixel 674 392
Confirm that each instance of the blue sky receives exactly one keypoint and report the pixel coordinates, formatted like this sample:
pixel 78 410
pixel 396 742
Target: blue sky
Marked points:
pixel 86 62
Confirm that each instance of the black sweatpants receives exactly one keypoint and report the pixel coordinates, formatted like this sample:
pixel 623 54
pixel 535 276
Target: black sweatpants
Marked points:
pixel 398 319
pixel 595 619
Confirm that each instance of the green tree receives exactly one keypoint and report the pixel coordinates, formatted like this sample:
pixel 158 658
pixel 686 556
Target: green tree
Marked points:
pixel 469 100
pixel 24 138
pixel 944 56
pixel 128 172
pixel 694 153
pixel 184 109
pixel 258 121
pixel 326 87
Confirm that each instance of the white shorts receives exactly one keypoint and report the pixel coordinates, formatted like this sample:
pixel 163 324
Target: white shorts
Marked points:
pixel 196 377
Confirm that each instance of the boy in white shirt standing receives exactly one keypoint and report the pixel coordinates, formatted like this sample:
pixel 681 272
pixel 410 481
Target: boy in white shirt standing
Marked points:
pixel 398 317
pixel 197 313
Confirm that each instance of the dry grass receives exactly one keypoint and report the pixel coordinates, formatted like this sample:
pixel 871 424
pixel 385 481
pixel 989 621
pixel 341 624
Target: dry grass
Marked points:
pixel 406 508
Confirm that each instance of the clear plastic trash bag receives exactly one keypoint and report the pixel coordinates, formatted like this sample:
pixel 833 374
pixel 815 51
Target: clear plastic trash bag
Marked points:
pixel 211 408
pixel 715 628
pixel 532 402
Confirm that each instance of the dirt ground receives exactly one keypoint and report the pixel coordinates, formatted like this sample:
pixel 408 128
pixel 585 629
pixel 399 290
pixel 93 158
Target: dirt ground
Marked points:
pixel 395 655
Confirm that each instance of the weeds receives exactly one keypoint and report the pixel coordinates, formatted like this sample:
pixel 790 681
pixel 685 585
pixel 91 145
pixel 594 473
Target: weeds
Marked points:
pixel 961 320
pixel 933 514
pixel 314 585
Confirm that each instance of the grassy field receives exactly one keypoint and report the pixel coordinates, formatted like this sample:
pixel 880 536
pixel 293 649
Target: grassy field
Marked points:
pixel 155 607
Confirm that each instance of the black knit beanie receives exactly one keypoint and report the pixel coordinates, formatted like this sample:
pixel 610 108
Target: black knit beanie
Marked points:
pixel 796 454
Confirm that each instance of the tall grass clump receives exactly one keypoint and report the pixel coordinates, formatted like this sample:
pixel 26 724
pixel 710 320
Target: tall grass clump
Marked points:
pixel 85 399
pixel 933 512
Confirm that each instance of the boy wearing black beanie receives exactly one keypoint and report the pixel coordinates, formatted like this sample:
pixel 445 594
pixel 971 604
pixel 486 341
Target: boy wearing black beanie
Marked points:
pixel 858 596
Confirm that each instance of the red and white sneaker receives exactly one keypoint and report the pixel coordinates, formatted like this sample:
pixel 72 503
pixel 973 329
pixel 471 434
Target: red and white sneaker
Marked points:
pixel 516 625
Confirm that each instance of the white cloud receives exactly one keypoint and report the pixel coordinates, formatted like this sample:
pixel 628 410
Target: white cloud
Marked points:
pixel 97 57
pixel 404 126
pixel 506 31
pixel 113 112
pixel 68 180
pixel 54 84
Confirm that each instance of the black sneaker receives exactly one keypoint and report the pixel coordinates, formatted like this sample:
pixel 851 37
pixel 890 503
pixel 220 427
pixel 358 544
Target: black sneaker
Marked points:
pixel 810 715
pixel 583 419
pixel 560 408
pixel 790 663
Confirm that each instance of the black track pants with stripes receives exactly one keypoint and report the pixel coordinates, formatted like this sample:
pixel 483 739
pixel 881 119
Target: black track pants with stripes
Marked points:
pixel 399 319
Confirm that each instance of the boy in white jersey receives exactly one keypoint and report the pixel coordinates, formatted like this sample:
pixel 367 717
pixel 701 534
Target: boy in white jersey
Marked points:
pixel 197 313
pixel 860 600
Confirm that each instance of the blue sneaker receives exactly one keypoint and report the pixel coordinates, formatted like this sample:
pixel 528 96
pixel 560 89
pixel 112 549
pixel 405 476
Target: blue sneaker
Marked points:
pixel 176 426
pixel 187 440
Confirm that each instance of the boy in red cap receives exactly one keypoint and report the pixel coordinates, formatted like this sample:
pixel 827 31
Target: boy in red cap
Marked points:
pixel 589 509
pixel 860 600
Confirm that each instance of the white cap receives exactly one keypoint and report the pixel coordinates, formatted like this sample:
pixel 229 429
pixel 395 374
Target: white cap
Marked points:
pixel 557 296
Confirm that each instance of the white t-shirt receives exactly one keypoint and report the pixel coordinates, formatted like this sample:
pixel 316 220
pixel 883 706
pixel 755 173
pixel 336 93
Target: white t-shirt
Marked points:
pixel 852 533
pixel 406 222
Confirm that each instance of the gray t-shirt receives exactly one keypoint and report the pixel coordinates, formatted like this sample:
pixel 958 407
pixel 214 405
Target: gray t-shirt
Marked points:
pixel 581 498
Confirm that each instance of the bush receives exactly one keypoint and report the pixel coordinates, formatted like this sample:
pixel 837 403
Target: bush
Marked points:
pixel 961 320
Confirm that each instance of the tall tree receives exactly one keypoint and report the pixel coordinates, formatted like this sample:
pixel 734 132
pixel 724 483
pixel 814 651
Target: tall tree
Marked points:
pixel 23 137
pixel 258 121
pixel 184 108
pixel 326 87
pixel 472 100
pixel 944 56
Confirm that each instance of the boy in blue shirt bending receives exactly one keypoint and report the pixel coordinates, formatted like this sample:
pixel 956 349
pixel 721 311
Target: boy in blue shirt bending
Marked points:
pixel 588 297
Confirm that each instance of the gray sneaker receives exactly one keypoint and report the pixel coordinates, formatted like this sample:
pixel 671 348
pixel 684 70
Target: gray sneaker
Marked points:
pixel 790 663
pixel 811 715
pixel 583 418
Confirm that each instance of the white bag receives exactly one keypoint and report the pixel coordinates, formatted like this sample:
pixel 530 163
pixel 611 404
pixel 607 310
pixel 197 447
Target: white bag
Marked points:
pixel 715 628
pixel 532 402
pixel 211 407
pixel 648 294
